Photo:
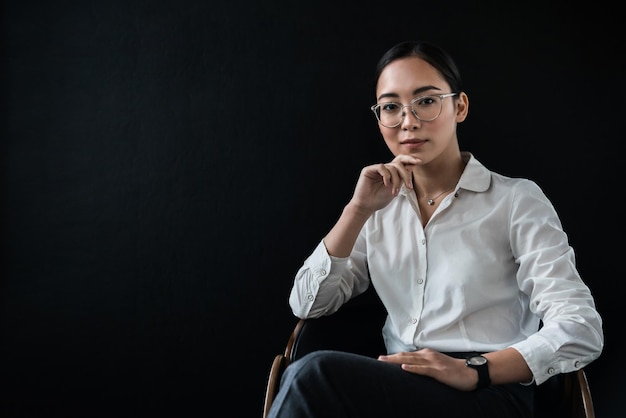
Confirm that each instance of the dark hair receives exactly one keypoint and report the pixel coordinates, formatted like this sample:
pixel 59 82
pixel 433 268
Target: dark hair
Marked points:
pixel 430 53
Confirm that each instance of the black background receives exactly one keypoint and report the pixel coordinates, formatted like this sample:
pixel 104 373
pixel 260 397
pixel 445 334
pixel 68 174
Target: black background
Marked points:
pixel 168 165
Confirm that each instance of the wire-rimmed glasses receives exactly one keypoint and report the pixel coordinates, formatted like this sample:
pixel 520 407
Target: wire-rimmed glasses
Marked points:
pixel 424 108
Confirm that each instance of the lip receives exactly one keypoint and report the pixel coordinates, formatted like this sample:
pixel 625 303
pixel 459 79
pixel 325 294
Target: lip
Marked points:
pixel 413 143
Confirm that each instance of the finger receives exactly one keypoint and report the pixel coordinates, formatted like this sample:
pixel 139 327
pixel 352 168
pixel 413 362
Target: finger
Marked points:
pixel 404 173
pixel 407 160
pixel 416 369
pixel 396 176
pixel 391 359
pixel 400 357
pixel 390 177
pixel 384 174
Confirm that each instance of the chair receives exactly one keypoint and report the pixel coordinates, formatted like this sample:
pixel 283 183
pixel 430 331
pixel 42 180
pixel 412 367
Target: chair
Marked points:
pixel 356 328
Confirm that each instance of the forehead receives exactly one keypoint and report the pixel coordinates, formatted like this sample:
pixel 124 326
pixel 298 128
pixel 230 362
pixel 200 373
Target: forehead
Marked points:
pixel 403 76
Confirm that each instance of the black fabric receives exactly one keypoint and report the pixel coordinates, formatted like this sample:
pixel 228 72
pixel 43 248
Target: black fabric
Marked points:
pixel 328 383
pixel 355 328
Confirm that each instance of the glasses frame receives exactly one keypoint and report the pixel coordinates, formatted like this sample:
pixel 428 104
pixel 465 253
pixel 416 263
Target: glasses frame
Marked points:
pixel 410 105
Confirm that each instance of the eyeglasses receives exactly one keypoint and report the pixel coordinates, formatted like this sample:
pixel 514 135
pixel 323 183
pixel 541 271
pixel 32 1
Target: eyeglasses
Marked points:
pixel 424 108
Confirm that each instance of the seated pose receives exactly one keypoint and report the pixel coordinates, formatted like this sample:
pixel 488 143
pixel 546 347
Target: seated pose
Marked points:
pixel 478 278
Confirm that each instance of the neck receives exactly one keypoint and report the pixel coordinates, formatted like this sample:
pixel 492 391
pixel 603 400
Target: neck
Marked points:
pixel 432 180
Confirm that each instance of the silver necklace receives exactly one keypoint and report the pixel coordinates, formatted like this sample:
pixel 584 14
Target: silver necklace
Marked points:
pixel 432 200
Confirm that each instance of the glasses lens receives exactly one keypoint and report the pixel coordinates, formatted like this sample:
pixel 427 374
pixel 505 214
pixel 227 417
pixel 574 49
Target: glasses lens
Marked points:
pixel 425 108
pixel 389 114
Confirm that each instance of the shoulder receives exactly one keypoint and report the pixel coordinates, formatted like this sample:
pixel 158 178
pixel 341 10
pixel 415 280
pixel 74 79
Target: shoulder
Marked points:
pixel 478 177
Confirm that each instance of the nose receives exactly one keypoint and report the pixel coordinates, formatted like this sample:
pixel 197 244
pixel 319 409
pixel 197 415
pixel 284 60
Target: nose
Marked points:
pixel 410 121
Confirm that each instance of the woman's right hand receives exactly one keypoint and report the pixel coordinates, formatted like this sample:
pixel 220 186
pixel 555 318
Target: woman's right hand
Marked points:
pixel 378 184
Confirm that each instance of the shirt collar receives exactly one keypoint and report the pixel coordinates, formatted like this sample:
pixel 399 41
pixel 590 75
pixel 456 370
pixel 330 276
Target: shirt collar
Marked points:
pixel 475 177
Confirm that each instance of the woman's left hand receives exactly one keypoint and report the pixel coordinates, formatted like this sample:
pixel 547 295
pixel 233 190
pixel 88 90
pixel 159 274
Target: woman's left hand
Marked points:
pixel 441 367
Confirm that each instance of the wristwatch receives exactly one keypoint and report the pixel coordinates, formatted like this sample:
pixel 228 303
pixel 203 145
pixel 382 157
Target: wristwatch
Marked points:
pixel 479 363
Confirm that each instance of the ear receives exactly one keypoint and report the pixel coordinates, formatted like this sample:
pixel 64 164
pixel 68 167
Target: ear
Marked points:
pixel 462 107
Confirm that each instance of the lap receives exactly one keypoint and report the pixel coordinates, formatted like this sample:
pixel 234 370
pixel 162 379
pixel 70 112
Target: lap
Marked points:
pixel 353 385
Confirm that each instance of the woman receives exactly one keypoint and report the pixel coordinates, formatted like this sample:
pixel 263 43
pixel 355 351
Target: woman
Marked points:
pixel 466 261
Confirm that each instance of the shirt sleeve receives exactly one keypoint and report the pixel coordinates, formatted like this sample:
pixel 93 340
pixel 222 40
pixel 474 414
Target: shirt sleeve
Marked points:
pixel 324 283
pixel 571 335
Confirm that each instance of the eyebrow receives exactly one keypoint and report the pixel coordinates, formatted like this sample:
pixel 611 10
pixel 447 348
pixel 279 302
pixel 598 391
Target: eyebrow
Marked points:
pixel 415 92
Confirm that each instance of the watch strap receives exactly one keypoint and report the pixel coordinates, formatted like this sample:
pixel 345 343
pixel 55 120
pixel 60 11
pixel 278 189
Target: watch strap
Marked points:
pixel 483 373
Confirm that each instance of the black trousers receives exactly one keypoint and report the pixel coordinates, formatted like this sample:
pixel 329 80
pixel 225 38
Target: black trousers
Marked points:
pixel 329 384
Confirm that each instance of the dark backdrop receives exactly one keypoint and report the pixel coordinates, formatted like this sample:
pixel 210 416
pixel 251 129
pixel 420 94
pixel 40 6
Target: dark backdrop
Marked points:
pixel 168 165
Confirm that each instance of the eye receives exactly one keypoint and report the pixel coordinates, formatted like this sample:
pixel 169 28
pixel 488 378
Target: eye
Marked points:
pixel 390 107
pixel 426 101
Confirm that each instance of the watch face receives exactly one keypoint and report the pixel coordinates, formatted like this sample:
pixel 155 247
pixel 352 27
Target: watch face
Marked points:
pixel 477 360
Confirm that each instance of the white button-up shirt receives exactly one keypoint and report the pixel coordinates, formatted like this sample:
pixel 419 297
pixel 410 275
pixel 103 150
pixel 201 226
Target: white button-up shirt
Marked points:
pixel 492 261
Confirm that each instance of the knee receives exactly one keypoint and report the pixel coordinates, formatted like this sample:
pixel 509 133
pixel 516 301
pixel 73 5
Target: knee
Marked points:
pixel 313 366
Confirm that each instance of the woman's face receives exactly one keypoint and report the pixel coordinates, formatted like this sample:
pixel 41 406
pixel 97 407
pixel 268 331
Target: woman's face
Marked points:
pixel 402 81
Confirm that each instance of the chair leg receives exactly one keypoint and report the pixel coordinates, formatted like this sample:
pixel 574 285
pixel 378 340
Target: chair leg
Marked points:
pixel 585 393
pixel 273 382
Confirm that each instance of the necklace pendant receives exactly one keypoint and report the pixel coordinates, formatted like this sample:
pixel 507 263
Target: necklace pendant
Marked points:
pixel 430 202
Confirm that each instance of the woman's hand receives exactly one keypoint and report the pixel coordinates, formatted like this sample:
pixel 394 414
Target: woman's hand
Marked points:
pixel 378 184
pixel 443 368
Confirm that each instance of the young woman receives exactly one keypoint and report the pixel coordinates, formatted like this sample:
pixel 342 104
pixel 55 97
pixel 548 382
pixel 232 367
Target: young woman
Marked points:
pixel 466 261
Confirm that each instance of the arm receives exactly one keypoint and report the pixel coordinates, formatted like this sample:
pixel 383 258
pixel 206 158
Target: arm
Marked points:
pixel 551 289
pixel 336 271
pixel 377 185
pixel 571 336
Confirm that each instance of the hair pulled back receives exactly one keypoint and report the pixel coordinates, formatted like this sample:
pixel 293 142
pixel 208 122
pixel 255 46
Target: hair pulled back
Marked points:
pixel 429 52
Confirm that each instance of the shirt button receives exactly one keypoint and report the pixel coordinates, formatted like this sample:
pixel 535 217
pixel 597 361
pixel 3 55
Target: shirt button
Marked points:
pixel 414 320
pixel 310 298
pixel 551 370
pixel 577 364
pixel 420 281
pixel 322 272
pixel 423 241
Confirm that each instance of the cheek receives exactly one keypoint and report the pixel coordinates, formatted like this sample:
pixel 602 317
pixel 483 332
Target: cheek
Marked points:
pixel 445 123
pixel 389 134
